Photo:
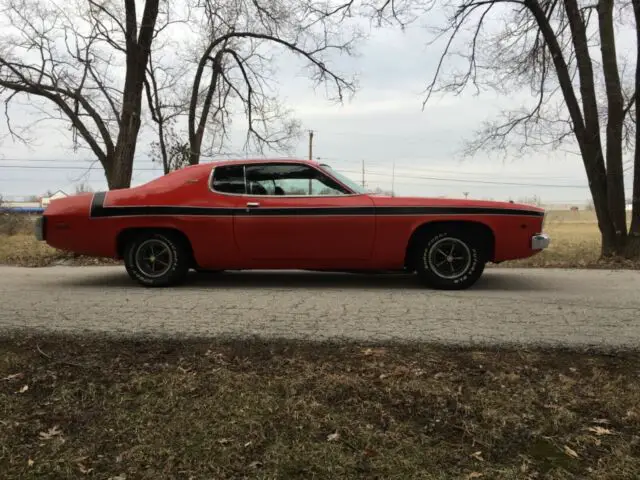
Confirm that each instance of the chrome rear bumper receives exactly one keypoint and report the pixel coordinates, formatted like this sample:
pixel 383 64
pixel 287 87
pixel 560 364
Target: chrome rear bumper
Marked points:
pixel 540 241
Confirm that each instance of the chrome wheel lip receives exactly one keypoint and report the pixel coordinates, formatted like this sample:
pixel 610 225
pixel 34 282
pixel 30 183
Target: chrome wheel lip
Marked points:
pixel 150 252
pixel 442 256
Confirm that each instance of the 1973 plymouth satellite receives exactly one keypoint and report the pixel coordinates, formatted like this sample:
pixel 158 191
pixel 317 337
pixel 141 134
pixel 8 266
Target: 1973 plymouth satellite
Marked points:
pixel 287 214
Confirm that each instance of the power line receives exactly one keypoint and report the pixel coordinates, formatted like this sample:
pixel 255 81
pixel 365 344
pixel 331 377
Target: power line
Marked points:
pixel 462 180
pixel 410 177
pixel 376 164
pixel 158 169
pixel 63 167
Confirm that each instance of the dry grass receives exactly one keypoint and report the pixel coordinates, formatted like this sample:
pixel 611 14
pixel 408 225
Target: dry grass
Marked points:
pixel 575 242
pixel 24 250
pixel 76 407
pixel 18 246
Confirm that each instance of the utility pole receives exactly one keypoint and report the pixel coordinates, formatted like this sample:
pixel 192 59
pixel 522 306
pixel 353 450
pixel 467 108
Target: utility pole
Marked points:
pixel 362 173
pixel 393 178
pixel 310 144
pixel 466 194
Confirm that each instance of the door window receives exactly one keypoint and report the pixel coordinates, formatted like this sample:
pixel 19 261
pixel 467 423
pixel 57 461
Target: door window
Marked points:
pixel 229 179
pixel 290 180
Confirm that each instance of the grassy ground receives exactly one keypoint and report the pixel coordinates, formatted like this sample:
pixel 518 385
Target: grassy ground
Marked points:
pixel 24 250
pixel 95 408
pixel 18 246
pixel 575 243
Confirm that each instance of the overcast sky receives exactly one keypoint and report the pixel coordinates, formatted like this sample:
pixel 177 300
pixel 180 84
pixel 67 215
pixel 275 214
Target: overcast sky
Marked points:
pixel 383 124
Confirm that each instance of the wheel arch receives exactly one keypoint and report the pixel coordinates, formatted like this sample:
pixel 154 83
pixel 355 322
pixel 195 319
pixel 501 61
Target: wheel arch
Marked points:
pixel 485 234
pixel 127 234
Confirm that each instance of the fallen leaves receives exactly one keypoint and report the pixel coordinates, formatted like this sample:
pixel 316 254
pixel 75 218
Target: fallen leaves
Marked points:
pixel 600 431
pixel 477 456
pixel 51 433
pixel 570 452
pixel 374 351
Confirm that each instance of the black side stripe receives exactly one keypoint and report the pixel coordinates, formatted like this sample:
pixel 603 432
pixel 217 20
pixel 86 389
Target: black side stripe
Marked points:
pixel 99 210
pixel 97 204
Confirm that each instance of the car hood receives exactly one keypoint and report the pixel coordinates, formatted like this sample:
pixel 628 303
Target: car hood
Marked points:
pixel 380 201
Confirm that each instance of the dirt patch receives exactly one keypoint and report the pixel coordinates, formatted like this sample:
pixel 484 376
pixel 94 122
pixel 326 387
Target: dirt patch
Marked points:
pixel 75 407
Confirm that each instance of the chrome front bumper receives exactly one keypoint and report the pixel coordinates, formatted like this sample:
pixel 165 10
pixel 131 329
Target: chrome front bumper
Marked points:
pixel 540 241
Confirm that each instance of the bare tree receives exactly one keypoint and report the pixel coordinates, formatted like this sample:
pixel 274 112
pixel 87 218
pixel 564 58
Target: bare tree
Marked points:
pixel 565 54
pixel 234 68
pixel 69 54
pixel 167 89
pixel 83 187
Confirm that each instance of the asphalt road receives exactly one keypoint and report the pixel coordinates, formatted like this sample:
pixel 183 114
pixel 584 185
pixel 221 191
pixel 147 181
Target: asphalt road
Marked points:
pixel 534 307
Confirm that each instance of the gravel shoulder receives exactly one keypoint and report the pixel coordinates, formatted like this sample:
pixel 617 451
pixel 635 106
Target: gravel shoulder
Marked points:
pixel 547 307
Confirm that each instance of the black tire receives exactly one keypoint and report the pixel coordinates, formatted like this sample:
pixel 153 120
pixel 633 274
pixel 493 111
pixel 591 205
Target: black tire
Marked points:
pixel 173 268
pixel 437 267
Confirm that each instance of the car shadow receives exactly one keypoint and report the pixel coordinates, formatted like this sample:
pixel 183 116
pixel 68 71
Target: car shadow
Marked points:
pixel 492 280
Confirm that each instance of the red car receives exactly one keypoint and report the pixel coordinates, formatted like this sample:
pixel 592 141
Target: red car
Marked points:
pixel 287 214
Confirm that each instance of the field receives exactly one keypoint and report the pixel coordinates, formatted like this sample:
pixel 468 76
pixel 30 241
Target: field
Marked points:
pixel 575 242
pixel 97 408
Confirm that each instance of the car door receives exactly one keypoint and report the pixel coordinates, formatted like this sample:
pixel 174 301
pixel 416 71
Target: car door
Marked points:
pixel 293 211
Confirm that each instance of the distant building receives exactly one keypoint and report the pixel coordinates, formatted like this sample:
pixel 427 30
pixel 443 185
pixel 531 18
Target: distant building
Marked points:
pixel 36 206
pixel 44 201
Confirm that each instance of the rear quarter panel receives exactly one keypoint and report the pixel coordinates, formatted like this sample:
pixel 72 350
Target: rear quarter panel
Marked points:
pixel 211 236
pixel 90 224
pixel 512 232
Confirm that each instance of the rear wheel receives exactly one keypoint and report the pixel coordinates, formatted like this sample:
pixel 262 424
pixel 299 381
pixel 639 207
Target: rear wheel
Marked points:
pixel 157 259
pixel 449 259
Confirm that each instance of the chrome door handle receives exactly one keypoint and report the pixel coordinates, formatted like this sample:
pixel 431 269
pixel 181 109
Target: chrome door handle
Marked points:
pixel 252 204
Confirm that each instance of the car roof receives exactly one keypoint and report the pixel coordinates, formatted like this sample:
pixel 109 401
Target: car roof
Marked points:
pixel 217 163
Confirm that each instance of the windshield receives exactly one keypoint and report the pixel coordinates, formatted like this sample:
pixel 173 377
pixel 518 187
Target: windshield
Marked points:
pixel 344 179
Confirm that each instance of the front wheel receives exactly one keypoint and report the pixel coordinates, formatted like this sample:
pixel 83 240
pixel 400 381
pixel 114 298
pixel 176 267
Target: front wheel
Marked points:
pixel 156 259
pixel 449 260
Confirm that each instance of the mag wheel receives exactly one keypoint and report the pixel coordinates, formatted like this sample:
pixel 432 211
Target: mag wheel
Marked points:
pixel 156 260
pixel 450 260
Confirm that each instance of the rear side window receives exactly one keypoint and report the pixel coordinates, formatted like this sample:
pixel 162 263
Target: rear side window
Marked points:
pixel 228 179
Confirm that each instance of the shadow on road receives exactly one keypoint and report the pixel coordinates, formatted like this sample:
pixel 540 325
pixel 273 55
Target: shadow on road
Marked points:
pixel 492 280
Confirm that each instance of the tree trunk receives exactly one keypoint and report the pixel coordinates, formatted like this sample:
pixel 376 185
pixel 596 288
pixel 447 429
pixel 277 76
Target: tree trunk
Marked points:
pixel 196 134
pixel 596 173
pixel 195 149
pixel 120 175
pixel 585 125
pixel 615 119
pixel 138 50
pixel 590 140
pixel 633 247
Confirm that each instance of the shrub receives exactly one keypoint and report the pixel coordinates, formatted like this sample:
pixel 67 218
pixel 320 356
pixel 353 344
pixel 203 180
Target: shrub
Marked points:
pixel 13 224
